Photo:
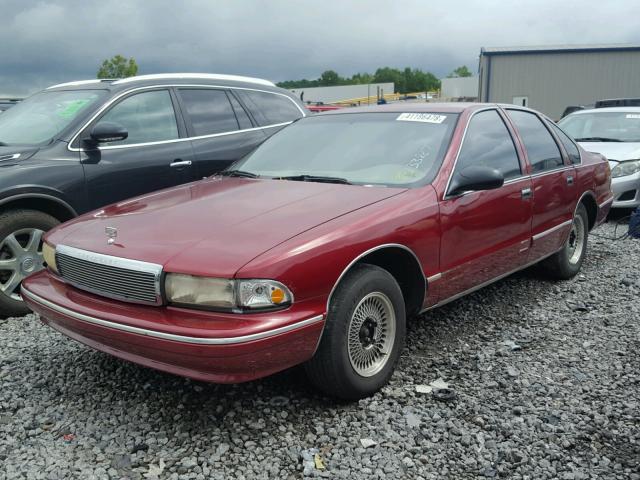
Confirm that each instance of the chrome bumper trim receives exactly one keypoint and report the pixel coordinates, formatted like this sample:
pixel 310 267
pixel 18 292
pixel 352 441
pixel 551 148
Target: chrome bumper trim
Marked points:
pixel 169 336
pixel 606 202
pixel 538 236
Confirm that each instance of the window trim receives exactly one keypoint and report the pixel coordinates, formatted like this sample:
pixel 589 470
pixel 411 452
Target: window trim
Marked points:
pixel 562 143
pixel 114 99
pixel 447 195
pixel 187 119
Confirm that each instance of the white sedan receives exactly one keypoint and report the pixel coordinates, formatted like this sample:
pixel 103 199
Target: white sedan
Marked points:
pixel 615 133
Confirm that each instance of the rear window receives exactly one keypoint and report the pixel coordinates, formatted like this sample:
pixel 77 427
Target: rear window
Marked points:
pixel 542 151
pixel 270 108
pixel 209 111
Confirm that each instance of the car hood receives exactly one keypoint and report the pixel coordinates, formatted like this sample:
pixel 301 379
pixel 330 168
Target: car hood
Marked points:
pixel 215 226
pixel 12 154
pixel 614 151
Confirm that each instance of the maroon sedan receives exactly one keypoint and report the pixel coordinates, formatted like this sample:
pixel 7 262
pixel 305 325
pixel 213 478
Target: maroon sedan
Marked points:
pixel 319 245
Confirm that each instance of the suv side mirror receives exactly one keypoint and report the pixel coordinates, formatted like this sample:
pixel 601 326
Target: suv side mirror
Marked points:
pixel 475 178
pixel 108 132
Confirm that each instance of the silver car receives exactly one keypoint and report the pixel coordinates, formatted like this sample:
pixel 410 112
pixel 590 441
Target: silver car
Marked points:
pixel 615 133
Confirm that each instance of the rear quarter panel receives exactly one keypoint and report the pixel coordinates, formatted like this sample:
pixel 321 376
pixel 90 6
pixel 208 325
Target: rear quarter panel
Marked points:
pixel 594 176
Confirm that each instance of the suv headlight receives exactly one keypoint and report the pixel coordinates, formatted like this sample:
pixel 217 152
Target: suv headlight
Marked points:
pixel 625 168
pixel 225 294
pixel 49 256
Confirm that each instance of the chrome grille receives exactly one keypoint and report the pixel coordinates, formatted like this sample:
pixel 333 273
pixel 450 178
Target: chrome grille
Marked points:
pixel 113 277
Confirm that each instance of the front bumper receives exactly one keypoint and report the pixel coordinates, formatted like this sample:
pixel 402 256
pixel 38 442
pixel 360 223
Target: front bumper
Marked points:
pixel 207 346
pixel 621 185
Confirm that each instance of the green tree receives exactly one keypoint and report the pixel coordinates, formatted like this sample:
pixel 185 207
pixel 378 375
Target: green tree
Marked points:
pixel 462 71
pixel 329 78
pixel 118 67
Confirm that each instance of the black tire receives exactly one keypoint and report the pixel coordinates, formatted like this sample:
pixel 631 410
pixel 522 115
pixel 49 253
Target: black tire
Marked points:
pixel 13 221
pixel 566 264
pixel 331 369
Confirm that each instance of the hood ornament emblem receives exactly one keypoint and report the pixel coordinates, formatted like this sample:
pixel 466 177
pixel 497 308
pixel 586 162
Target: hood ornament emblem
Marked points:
pixel 112 233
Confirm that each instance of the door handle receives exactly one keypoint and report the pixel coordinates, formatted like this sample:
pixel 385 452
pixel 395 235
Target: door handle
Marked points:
pixel 525 193
pixel 180 163
pixel 570 180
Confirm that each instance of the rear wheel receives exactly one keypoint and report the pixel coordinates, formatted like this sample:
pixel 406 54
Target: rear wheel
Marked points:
pixel 566 263
pixel 363 335
pixel 21 234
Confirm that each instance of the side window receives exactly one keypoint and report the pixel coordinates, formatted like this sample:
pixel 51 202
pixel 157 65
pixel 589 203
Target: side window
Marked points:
pixel 147 116
pixel 489 143
pixel 542 150
pixel 270 108
pixel 241 115
pixel 209 111
pixel 569 145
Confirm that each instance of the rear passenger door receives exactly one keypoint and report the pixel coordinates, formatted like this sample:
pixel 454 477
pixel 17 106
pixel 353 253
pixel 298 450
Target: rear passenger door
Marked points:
pixel 271 110
pixel 553 182
pixel 485 234
pixel 220 129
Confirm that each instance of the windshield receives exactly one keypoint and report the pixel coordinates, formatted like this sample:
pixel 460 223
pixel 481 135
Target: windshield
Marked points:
pixel 603 126
pixel 393 149
pixel 38 119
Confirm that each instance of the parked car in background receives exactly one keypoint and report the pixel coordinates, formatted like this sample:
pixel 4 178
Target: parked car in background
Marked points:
pixel 7 103
pixel 615 133
pixel 80 145
pixel 317 246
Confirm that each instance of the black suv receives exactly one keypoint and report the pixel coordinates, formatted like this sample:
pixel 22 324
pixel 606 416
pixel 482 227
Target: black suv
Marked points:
pixel 78 146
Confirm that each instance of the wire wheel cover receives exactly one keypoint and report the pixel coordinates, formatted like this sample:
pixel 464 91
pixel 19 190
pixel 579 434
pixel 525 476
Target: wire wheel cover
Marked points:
pixel 372 332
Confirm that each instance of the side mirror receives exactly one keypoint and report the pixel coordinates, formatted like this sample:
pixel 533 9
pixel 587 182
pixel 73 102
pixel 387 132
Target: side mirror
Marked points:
pixel 475 178
pixel 108 132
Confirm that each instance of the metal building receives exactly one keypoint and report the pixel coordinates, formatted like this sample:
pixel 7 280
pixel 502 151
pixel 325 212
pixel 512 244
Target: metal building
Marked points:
pixel 551 78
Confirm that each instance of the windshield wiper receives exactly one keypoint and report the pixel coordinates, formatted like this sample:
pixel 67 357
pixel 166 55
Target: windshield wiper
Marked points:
pixel 597 139
pixel 315 178
pixel 238 173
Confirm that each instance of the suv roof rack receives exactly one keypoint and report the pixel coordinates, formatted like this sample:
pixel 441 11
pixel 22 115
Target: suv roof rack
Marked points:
pixel 81 82
pixel 618 102
pixel 207 76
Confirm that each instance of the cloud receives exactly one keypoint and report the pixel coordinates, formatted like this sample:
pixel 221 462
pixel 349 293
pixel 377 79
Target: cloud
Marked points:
pixel 45 42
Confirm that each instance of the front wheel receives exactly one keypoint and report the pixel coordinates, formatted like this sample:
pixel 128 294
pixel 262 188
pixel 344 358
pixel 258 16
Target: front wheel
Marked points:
pixel 21 234
pixel 363 335
pixel 566 263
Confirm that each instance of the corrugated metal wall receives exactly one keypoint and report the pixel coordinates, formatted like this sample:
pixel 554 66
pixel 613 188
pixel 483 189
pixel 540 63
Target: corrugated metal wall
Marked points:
pixel 551 82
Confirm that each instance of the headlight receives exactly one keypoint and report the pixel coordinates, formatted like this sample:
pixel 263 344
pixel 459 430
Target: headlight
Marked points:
pixel 49 256
pixel 625 168
pixel 225 294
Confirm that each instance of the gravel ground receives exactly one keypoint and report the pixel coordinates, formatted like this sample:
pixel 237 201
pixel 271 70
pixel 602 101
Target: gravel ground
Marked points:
pixel 546 376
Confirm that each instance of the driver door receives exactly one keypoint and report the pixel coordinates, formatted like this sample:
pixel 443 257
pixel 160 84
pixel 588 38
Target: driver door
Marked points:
pixel 485 234
pixel 155 154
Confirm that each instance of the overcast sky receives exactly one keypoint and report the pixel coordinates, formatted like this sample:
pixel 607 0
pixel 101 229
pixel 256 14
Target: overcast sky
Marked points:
pixel 46 42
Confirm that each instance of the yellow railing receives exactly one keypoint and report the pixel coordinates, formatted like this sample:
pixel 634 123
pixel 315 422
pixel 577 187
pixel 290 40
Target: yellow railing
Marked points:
pixel 373 99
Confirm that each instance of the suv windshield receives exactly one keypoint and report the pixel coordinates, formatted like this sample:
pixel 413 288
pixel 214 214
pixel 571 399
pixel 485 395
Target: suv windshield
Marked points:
pixel 603 126
pixel 38 119
pixel 395 149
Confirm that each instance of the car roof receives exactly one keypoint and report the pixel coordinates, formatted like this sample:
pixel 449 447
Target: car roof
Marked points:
pixel 607 109
pixel 119 84
pixel 412 107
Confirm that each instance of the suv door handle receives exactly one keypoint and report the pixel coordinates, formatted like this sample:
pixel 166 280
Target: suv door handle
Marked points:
pixel 180 163
pixel 570 180
pixel 525 193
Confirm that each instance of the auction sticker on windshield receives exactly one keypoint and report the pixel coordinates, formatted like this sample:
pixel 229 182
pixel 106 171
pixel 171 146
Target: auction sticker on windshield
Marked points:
pixel 633 115
pixel 421 117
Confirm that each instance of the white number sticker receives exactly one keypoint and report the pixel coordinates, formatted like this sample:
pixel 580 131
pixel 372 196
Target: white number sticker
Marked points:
pixel 633 115
pixel 421 117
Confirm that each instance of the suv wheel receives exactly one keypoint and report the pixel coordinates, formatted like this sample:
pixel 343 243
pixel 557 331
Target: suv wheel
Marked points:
pixel 363 335
pixel 21 234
